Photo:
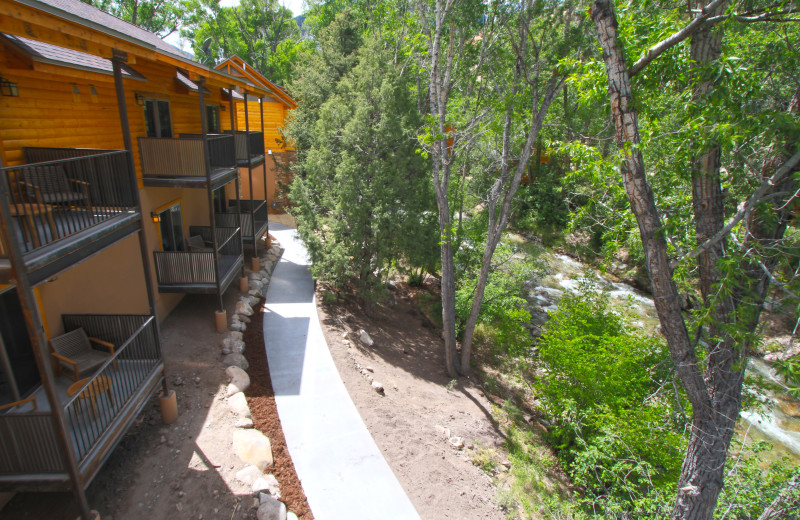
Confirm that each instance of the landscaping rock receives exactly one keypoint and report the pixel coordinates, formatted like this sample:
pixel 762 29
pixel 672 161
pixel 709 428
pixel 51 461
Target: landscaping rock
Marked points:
pixel 244 423
pixel 238 403
pixel 232 345
pixel 267 483
pixel 240 381
pixel 271 508
pixel 253 447
pixel 457 443
pixel 377 387
pixel 249 474
pixel 291 516
pixel 236 360
pixel 236 335
pixel 365 339
pixel 244 309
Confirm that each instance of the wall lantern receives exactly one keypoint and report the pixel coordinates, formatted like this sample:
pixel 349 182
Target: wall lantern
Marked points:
pixel 139 99
pixel 156 217
pixel 8 88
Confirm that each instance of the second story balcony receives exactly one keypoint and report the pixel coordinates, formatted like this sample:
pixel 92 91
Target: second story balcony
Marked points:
pixel 66 204
pixel 181 162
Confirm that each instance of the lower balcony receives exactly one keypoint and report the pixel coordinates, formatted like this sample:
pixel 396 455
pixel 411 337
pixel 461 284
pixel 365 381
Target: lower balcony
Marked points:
pixel 254 218
pixel 193 271
pixel 98 409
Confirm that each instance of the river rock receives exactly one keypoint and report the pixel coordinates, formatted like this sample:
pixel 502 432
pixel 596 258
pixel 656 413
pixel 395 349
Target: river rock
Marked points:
pixel 789 407
pixel 244 423
pixel 365 339
pixel 240 381
pixel 249 474
pixel 243 308
pixel 232 345
pixel 377 387
pixel 253 447
pixel 271 508
pixel 267 483
pixel 291 516
pixel 238 403
pixel 237 360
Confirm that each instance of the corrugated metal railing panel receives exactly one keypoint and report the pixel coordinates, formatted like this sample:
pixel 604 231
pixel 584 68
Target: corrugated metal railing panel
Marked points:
pixel 29 445
pixel 256 140
pixel 106 395
pixel 182 267
pixel 163 157
pixel 229 239
pixel 229 220
pixel 57 198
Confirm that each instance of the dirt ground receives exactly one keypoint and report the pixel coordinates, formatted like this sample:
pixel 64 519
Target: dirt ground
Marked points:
pixel 185 470
pixel 418 421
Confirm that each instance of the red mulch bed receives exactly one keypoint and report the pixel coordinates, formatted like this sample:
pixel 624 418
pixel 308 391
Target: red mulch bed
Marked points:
pixel 261 399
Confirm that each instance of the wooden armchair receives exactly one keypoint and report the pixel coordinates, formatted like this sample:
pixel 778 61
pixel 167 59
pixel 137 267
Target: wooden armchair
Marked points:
pixel 196 243
pixel 74 352
pixel 31 399
pixel 50 185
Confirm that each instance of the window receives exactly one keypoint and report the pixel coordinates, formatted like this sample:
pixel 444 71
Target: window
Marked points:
pixel 170 222
pixel 157 118
pixel 219 200
pixel 18 350
pixel 212 119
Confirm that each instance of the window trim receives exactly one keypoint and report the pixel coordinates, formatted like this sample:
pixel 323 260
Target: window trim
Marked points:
pixel 145 100
pixel 158 218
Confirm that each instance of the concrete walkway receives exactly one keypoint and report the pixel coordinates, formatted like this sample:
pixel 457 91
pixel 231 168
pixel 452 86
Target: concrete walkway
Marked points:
pixel 344 475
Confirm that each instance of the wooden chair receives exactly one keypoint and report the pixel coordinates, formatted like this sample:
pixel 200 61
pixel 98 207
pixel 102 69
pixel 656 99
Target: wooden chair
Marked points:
pixel 196 243
pixel 50 185
pixel 31 399
pixel 74 351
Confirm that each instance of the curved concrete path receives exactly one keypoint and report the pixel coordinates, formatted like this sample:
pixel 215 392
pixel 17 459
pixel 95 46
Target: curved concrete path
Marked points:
pixel 343 472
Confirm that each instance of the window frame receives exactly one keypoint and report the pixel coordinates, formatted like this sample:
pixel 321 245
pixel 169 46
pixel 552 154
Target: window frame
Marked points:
pixel 157 117
pixel 166 214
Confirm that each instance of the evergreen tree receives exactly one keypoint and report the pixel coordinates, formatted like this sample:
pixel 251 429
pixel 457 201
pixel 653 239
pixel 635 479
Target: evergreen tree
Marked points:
pixel 362 193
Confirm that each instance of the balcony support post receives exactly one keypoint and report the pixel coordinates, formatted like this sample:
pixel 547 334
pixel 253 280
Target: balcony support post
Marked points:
pixel 33 322
pixel 252 229
pixel 209 188
pixel 233 114
pixel 116 61
pixel 264 166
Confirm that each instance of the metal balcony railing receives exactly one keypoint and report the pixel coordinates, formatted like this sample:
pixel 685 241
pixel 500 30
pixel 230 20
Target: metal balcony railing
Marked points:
pixel 28 440
pixel 185 157
pixel 255 139
pixel 63 191
pixel 197 267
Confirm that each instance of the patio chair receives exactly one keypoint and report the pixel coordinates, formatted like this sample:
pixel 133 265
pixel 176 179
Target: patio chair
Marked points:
pixel 50 185
pixel 21 402
pixel 74 352
pixel 196 243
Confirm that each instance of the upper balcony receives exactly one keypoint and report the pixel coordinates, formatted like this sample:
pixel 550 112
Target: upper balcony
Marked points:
pixel 98 409
pixel 181 163
pixel 67 204
pixel 241 140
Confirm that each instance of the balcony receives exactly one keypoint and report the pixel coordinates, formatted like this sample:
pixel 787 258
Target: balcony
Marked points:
pixel 67 204
pixel 193 271
pixel 256 141
pixel 176 163
pixel 30 452
pixel 254 218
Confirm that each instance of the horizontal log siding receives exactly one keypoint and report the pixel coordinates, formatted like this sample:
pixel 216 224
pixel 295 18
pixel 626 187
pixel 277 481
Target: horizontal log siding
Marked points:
pixel 48 114
pixel 274 118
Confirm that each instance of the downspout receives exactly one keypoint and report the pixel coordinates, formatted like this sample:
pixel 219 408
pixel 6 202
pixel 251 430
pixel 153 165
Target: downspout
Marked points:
pixel 33 322
pixel 209 189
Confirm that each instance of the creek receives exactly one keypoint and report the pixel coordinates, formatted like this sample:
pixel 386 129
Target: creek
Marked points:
pixel 776 420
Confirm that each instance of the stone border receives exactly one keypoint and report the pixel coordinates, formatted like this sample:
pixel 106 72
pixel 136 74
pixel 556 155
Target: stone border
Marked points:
pixel 250 445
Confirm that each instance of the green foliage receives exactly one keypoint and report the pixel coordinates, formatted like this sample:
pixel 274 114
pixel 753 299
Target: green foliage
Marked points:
pixel 162 17
pixel 261 32
pixel 362 197
pixel 617 436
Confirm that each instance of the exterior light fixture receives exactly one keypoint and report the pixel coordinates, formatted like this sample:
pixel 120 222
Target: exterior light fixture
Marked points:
pixel 156 217
pixel 8 88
